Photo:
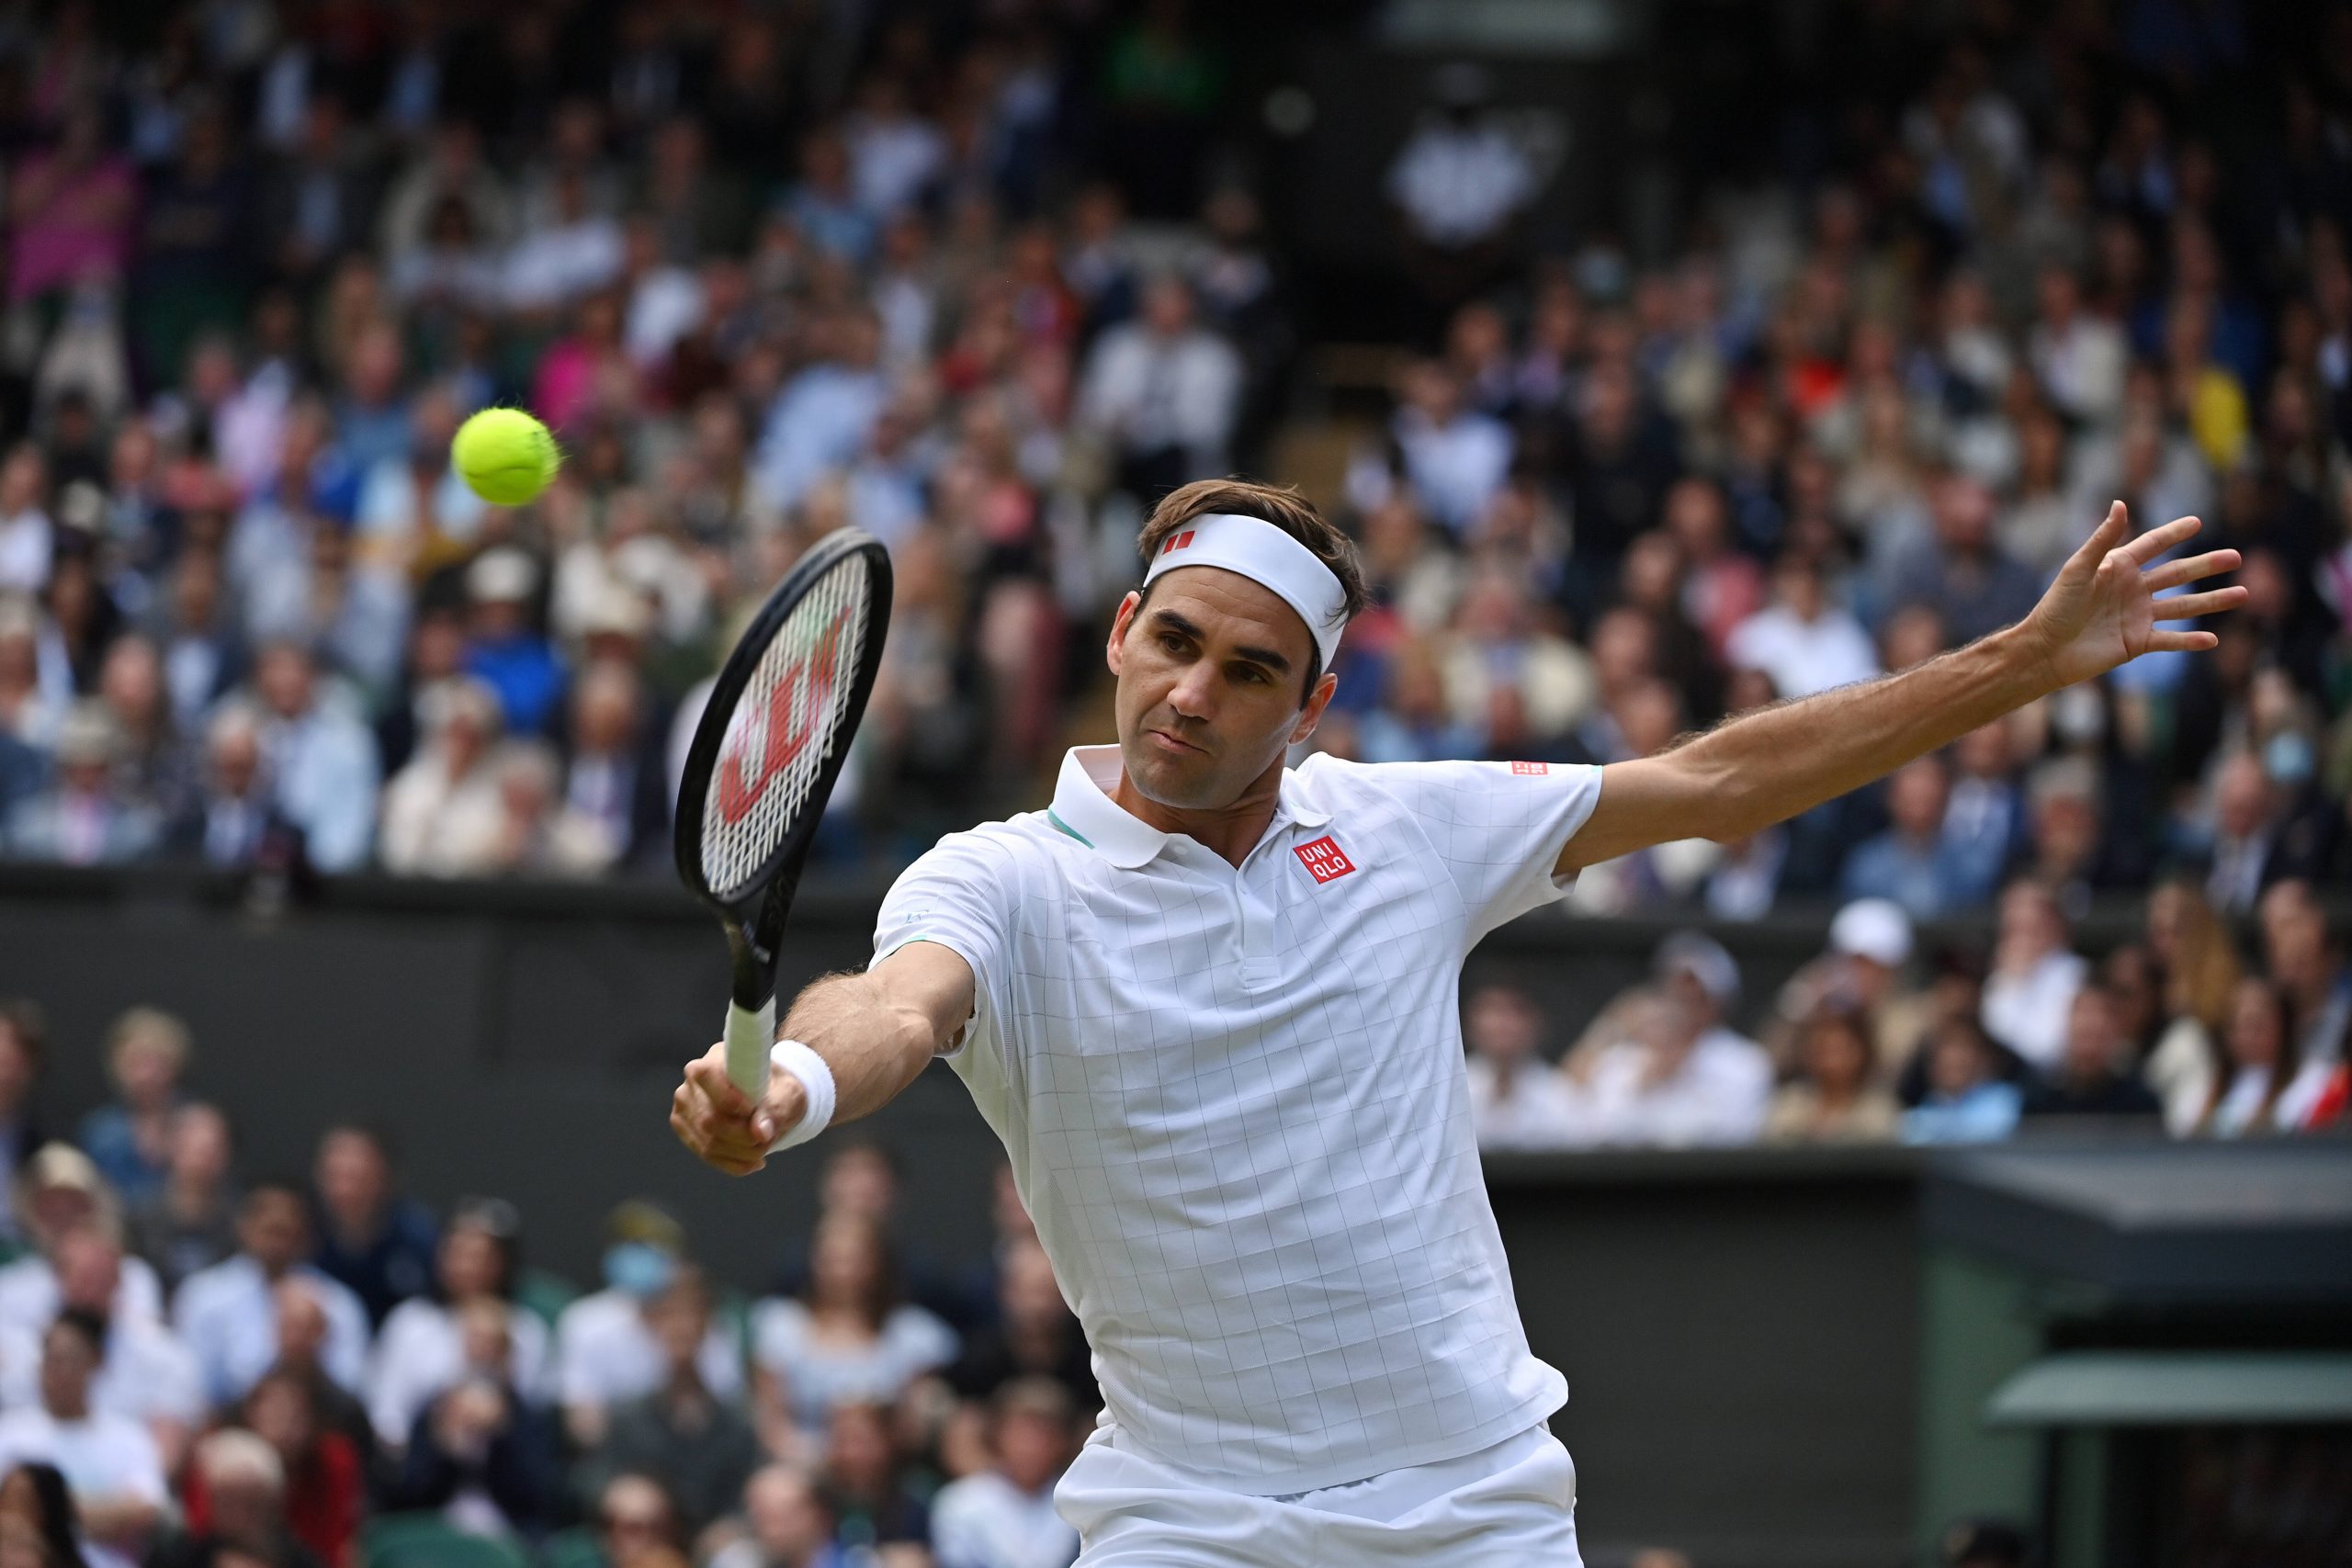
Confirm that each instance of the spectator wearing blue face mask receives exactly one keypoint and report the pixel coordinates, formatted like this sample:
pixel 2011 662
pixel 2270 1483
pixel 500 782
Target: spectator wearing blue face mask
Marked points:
pixel 607 1351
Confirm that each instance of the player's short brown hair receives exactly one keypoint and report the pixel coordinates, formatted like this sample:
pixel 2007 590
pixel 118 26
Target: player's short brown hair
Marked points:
pixel 1285 508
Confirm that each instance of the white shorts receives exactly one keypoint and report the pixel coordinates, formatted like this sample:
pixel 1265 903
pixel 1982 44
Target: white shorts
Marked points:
pixel 1513 1505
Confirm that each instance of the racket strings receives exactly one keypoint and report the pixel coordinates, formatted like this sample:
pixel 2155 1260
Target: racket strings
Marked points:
pixel 785 724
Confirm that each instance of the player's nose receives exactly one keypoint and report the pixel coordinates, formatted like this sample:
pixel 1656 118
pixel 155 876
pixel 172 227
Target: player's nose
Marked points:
pixel 1193 693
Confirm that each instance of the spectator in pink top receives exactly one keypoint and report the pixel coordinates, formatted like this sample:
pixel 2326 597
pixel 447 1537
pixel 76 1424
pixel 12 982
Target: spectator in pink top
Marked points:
pixel 70 210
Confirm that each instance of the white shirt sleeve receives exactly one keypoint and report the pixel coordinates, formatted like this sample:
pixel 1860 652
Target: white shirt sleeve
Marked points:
pixel 960 896
pixel 1498 827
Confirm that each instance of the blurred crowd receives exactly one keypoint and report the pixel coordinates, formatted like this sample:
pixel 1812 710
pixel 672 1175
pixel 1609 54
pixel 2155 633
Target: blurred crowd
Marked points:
pixel 2181 1031
pixel 205 1367
pixel 765 274
pixel 2057 258
pixel 986 284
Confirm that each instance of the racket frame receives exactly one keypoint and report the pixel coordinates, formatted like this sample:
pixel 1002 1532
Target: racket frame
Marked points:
pixel 753 917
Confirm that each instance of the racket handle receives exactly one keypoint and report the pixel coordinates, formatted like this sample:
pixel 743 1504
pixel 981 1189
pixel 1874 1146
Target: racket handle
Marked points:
pixel 749 1037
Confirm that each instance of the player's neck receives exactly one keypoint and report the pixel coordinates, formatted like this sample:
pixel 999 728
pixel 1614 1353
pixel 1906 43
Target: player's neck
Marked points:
pixel 1231 831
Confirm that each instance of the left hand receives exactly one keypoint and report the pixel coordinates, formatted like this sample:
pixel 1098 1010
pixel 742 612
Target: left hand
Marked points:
pixel 2103 609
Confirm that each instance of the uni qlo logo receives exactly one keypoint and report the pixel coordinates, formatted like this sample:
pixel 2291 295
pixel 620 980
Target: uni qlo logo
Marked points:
pixel 1176 542
pixel 1324 860
pixel 1530 767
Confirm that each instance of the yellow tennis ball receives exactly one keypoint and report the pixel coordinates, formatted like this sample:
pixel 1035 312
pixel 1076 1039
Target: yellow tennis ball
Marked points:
pixel 506 456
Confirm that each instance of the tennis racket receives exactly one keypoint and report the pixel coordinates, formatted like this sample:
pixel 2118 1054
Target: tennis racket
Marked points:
pixel 765 753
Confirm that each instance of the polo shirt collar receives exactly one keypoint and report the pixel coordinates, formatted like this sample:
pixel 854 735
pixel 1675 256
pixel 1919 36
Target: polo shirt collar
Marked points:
pixel 1083 809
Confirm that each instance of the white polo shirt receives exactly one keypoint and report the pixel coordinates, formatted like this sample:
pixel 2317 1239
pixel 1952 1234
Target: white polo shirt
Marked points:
pixel 1234 1100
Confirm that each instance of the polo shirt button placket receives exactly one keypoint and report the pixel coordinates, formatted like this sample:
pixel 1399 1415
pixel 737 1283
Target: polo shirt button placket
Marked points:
pixel 1260 966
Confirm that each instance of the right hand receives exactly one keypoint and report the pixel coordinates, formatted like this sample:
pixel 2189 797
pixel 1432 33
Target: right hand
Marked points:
pixel 723 1126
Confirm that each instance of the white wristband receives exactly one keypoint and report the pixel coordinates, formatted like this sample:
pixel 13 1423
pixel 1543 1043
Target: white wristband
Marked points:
pixel 815 1084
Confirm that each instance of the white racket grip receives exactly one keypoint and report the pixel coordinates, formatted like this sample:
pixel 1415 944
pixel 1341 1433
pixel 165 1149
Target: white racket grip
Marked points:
pixel 748 1037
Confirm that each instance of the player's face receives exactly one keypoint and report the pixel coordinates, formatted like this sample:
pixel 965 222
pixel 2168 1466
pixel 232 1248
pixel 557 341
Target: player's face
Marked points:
pixel 1212 675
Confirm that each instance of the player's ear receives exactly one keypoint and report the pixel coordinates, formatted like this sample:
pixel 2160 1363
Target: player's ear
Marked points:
pixel 1119 624
pixel 1312 714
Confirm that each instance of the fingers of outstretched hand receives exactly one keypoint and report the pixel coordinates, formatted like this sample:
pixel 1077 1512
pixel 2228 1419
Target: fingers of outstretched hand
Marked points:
pixel 2173 573
pixel 2156 541
pixel 2164 641
pixel 2186 606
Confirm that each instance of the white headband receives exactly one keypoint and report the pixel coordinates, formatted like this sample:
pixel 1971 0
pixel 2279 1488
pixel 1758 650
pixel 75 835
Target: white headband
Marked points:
pixel 1265 555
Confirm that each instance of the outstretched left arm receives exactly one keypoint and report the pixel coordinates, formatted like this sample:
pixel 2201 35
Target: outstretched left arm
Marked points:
pixel 1767 766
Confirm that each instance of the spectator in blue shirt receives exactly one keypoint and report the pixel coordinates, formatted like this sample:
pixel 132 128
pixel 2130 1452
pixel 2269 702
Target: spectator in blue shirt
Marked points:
pixel 1966 1100
pixel 130 1139
pixel 823 205
pixel 505 649
pixel 1913 862
pixel 1962 573
pixel 322 755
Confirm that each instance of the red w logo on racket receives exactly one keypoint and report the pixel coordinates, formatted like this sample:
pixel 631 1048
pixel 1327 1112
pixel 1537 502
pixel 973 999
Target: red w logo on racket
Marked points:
pixel 790 727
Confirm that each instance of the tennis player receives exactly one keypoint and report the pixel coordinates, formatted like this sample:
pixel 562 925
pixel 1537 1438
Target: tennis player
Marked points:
pixel 1209 1004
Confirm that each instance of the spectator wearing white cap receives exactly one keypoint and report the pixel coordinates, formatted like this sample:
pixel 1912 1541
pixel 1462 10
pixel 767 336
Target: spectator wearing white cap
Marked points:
pixel 504 649
pixel 1679 1077
pixel 1862 970
pixel 60 1192
pixel 1517 1101
pixel 2030 990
